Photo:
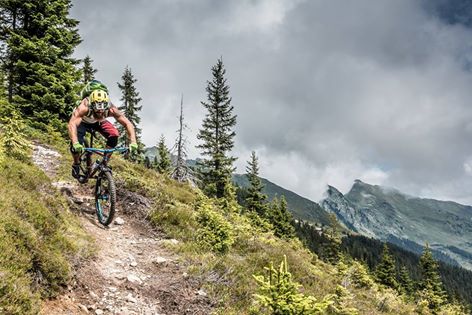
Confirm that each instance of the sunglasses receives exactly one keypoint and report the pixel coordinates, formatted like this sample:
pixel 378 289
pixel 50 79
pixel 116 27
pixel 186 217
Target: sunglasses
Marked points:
pixel 100 105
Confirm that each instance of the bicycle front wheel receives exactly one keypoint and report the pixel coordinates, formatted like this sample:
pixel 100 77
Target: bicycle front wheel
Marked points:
pixel 105 197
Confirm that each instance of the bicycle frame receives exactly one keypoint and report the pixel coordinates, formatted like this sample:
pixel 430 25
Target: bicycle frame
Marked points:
pixel 102 164
pixel 105 189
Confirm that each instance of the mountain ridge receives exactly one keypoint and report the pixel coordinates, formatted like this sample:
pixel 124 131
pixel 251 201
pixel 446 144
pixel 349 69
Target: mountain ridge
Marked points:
pixel 388 214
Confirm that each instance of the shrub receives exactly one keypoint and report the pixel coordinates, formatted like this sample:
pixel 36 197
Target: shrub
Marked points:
pixel 360 276
pixel 15 294
pixel 278 294
pixel 12 139
pixel 39 239
pixel 214 232
pixel 339 303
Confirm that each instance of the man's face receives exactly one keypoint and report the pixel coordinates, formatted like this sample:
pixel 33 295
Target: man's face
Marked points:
pixel 99 113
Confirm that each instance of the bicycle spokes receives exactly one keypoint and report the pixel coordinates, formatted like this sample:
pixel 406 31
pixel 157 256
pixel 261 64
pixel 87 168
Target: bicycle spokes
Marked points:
pixel 105 197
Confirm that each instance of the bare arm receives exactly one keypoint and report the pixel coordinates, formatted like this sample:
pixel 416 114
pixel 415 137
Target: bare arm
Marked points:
pixel 76 119
pixel 118 115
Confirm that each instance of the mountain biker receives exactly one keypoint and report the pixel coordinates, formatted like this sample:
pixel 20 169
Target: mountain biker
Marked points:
pixel 90 115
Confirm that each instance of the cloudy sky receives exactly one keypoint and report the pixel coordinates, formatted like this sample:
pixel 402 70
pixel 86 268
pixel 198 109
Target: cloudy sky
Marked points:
pixel 325 92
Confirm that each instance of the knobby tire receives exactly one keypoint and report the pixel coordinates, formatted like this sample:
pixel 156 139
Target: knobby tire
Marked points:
pixel 105 216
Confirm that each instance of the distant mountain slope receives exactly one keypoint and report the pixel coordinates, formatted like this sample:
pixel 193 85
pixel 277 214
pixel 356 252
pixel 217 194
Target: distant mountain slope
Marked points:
pixel 302 208
pixel 410 222
pixel 457 281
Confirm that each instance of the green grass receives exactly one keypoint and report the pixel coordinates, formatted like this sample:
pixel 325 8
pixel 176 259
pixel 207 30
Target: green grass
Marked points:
pixel 40 239
pixel 228 277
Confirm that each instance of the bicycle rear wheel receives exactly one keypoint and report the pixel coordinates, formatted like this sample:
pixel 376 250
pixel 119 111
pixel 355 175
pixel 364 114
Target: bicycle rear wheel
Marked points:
pixel 105 197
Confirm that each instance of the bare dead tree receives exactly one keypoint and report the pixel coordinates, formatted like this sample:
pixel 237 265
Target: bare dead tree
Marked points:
pixel 182 171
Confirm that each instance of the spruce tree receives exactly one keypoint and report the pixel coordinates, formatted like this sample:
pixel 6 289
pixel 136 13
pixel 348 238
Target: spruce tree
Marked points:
pixel 385 271
pixel 229 201
pixel 217 134
pixel 130 108
pixel 40 39
pixel 405 283
pixel 13 139
pixel 88 71
pixel 147 162
pixel 430 285
pixel 255 199
pixel 278 294
pixel 163 166
pixel 280 218
pixel 332 249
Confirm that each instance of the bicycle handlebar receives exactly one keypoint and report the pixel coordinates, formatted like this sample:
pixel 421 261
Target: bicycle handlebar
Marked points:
pixel 104 151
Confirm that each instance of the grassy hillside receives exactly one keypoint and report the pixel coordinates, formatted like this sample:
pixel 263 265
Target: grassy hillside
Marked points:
pixel 225 249
pixel 40 239
pixel 229 252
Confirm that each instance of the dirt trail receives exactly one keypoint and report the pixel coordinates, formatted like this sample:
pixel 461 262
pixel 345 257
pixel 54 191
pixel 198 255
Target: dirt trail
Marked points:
pixel 133 272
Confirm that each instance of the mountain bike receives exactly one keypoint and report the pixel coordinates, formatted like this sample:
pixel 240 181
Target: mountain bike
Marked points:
pixel 105 190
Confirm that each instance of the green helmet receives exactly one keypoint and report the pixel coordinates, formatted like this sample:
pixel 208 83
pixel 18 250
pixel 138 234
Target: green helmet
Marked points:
pixel 92 86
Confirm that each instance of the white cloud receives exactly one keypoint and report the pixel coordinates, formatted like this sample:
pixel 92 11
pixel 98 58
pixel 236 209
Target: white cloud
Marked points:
pixel 327 91
pixel 264 16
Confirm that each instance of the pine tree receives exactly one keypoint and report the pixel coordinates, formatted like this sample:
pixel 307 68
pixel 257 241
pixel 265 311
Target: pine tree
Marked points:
pixel 163 166
pixel 217 134
pixel 130 100
pixel 280 218
pixel 385 271
pixel 147 162
pixel 88 71
pixel 255 199
pixel 332 250
pixel 430 286
pixel 278 294
pixel 40 39
pixel 228 202
pixel 404 281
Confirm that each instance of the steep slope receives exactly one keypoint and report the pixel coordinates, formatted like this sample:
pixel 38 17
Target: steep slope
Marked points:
pixel 138 270
pixel 132 272
pixel 301 208
pixel 366 221
pixel 410 222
